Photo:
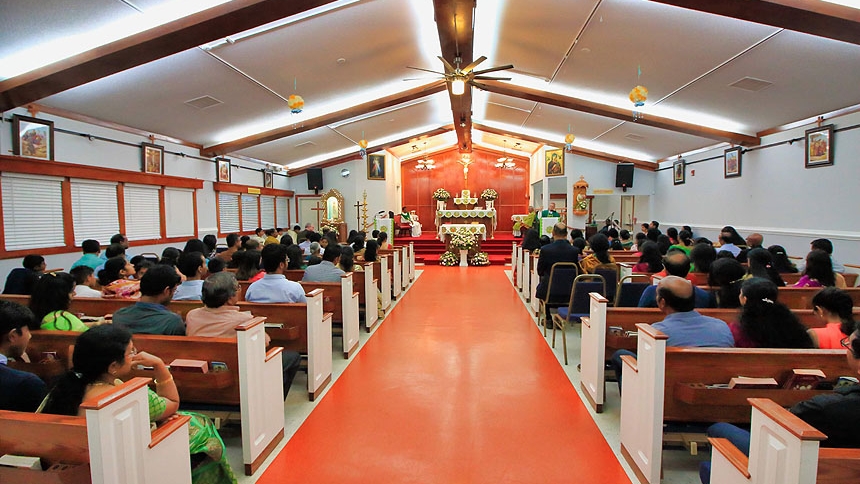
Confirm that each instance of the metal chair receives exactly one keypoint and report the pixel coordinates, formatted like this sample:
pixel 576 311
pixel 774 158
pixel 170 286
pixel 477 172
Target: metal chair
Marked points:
pixel 610 273
pixel 628 293
pixel 578 306
pixel 559 285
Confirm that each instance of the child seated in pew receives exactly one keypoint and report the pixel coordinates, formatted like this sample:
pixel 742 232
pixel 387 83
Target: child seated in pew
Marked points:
pixel 835 414
pixel 765 322
pixel 836 307
pixel 86 284
pixel 221 315
pixel 105 355
pixel 116 279
pixel 52 296
pixel 20 391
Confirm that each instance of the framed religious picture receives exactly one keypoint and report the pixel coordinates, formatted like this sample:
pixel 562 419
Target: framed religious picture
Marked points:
pixel 222 167
pixel 732 162
pixel 679 168
pixel 819 146
pixel 554 162
pixel 376 167
pixel 268 178
pixel 32 137
pixel 153 158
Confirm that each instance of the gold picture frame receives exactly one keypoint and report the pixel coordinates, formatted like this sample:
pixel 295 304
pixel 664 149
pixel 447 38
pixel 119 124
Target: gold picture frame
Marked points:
pixel 32 137
pixel 819 146
pixel 223 170
pixel 554 162
pixel 376 167
pixel 152 158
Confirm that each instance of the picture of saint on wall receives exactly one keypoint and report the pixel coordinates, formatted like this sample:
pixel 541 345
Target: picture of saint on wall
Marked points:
pixel 555 163
pixel 376 167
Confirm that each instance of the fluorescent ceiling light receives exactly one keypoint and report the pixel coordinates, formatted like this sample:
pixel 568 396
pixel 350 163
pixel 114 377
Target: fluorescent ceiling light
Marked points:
pixel 57 49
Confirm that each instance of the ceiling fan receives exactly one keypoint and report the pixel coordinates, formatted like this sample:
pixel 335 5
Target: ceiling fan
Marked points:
pixel 460 76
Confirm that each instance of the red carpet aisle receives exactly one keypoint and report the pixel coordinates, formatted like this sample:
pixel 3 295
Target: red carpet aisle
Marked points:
pixel 456 387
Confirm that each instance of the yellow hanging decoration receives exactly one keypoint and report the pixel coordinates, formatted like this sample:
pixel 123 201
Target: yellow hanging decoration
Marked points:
pixel 568 142
pixel 296 103
pixel 639 95
pixel 362 144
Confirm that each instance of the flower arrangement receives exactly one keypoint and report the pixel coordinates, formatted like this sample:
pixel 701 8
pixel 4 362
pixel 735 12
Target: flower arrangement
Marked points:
pixel 480 259
pixel 441 194
pixel 489 194
pixel 463 240
pixel 329 228
pixel 449 259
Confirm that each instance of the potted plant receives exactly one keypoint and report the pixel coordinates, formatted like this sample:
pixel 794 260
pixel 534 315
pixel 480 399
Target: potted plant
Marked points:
pixel 464 241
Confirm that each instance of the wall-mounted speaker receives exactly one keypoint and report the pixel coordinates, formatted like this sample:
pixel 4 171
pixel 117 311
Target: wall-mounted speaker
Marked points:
pixel 624 176
pixel 315 179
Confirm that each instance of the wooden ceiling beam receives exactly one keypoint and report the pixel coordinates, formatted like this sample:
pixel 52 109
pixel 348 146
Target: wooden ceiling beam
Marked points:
pixel 598 155
pixel 153 44
pixel 321 121
pixel 454 20
pixel 822 19
pixel 370 149
pixel 613 112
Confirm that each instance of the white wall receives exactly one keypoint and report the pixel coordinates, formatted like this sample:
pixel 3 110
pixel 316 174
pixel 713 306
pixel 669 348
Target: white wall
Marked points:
pixel 775 195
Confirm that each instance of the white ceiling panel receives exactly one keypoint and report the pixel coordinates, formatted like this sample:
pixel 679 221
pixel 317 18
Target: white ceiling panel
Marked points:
pixel 553 119
pixel 300 147
pixel 653 143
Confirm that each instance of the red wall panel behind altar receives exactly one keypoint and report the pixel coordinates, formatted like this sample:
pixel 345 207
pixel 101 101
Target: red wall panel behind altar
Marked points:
pixel 512 185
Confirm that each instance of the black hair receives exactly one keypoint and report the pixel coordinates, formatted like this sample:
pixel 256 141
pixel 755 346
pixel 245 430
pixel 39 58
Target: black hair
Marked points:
pixel 370 249
pixel 110 272
pixel 576 234
pixel 271 232
pixel 616 245
pixel 613 233
pixel 210 241
pixel 531 240
pixel 822 244
pixel 625 234
pixel 766 321
pixel 358 243
pixel 578 242
pixel 672 233
pixel 286 239
pixel 51 293
pixel 600 245
pixel 702 256
pixel 839 303
pixel 761 265
pixel 114 250
pixel 90 246
pixel 314 237
pixel 685 237
pixel 169 256
pixel 331 253
pixel 347 258
pixel 679 304
pixel 232 239
pixel 653 235
pixel 295 257
pixel 157 279
pixel 248 264
pixel 194 245
pixel 656 224
pixel 382 237
pixel 725 275
pixel 189 262
pixel 95 350
pixel 141 265
pixel 820 267
pixel 81 273
pixel 32 261
pixel 375 234
pixel 273 255
pixel 215 265
pixel 118 239
pixel 13 317
pixel 331 238
pixel 663 243
pixel 650 254
pixel 781 262
pixel 640 237
pixel 735 237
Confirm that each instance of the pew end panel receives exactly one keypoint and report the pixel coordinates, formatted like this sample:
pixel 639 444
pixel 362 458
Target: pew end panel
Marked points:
pixel 593 352
pixel 319 344
pixel 371 313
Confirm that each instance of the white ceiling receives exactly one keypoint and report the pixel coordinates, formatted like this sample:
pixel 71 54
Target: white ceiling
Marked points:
pixel 592 50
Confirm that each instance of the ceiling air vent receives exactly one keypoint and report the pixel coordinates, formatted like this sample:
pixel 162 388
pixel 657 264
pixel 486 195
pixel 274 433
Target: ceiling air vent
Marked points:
pixel 203 102
pixel 751 84
pixel 634 137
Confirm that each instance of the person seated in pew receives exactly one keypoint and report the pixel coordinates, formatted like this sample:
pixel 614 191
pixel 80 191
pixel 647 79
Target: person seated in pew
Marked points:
pixel 104 357
pixel 382 240
pixel 193 266
pixel 141 265
pixel 650 259
pixel 314 258
pixel 639 239
pixel 221 315
pixel 150 315
pixel 271 237
pixel 347 260
pixel 819 272
pixel 560 250
pixel 626 242
pixel 726 245
pixel 683 325
pixel 211 244
pixel 274 287
pixel 92 255
pixel 358 246
pixel 50 303
pixel 764 321
pixel 836 414
pixel 753 241
pixel 685 242
pixel 327 270
pixel 371 252
pixel 760 264
pixel 192 245
pixel 726 275
pixel 676 263
pixel 701 258
pixel 599 243
pixel 531 240
pixel 836 308
pixel 781 262
pixel 22 279
pixel 234 243
pixel 827 246
pixel 116 279
pixel 20 391
pixel 295 258
pixel 248 266
pixel 86 284
pixel 215 265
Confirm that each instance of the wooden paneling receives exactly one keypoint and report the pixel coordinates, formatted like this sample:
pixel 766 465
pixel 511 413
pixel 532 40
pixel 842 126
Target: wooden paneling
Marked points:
pixel 512 185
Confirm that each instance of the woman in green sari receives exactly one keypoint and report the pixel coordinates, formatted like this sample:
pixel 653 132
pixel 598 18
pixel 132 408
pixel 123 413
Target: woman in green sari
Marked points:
pixel 104 355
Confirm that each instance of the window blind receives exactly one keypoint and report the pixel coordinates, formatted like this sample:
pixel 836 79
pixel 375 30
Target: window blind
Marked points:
pixel 94 210
pixel 179 212
pixel 267 212
pixel 228 213
pixel 282 210
pixel 250 213
pixel 142 212
pixel 32 211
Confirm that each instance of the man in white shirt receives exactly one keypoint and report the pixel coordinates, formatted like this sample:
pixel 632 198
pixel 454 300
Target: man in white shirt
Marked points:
pixel 193 266
pixel 86 284
pixel 728 246
pixel 274 287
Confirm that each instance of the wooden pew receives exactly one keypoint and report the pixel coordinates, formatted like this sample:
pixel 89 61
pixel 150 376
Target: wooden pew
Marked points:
pixel 527 273
pixel 393 256
pixel 597 344
pixel 111 443
pixel 411 261
pixel 341 301
pixel 519 269
pixel 665 384
pixel 98 307
pixel 801 297
pixel 514 254
pixel 253 380
pixel 534 279
pixel 850 278
pixel 783 449
pixel 383 277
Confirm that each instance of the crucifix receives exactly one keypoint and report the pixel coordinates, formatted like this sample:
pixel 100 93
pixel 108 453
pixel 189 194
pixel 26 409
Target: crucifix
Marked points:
pixel 358 206
pixel 465 160
pixel 319 208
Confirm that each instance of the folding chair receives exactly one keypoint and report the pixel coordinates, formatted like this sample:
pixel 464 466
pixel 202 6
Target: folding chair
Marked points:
pixel 578 306
pixel 610 273
pixel 628 293
pixel 151 257
pixel 561 276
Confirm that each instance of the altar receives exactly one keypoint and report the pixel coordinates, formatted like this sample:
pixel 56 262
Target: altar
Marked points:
pixel 487 218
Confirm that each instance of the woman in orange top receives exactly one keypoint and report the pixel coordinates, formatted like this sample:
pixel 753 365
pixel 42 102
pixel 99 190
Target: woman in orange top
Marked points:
pixel 115 279
pixel 836 307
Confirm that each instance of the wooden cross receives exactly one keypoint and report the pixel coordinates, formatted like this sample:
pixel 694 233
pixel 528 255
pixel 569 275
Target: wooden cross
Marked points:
pixel 319 208
pixel 358 206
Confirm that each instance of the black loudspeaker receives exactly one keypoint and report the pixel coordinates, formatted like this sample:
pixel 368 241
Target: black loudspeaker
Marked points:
pixel 315 179
pixel 624 176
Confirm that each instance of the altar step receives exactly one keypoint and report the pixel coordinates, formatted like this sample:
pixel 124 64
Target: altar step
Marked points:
pixel 428 249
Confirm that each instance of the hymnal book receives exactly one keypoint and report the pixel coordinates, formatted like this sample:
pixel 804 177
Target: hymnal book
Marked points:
pixel 190 366
pixel 804 379
pixel 746 382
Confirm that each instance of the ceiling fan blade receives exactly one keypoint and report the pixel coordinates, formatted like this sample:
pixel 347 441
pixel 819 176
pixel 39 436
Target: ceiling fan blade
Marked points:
pixel 448 67
pixel 426 79
pixel 474 64
pixel 494 69
pixel 491 78
pixel 426 70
